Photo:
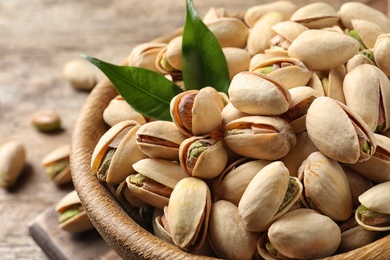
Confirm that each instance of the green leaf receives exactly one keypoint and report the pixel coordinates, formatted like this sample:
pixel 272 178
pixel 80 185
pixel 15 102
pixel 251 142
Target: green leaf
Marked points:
pixel 204 63
pixel 146 91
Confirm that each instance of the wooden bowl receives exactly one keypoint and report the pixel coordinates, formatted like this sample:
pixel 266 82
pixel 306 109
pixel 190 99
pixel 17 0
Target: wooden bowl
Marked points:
pixel 120 228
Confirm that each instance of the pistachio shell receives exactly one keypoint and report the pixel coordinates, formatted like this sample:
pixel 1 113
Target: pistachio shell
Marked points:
pixel 368 31
pixel 227 233
pixel 258 94
pixel 61 153
pixel 260 137
pixel 338 138
pixel 237 59
pixel 12 162
pixel 230 113
pixel 337 48
pixel 289 29
pixel 357 60
pixel 119 110
pixel 316 15
pixel 357 183
pixel 229 31
pixel 382 53
pixel 260 203
pixel 188 213
pixel 144 55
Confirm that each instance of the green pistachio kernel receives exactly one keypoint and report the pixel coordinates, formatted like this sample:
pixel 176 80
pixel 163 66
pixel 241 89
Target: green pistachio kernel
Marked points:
pixel 265 70
pixel 70 213
pixel 292 189
pixel 271 249
pixel 57 167
pixel 373 218
pixel 325 85
pixel 105 165
pixel 354 34
pixel 138 179
pixel 366 148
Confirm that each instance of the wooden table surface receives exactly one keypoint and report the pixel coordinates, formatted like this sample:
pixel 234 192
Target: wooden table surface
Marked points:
pixel 37 38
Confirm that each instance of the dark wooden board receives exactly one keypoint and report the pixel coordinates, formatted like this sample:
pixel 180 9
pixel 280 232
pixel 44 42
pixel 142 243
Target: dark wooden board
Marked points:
pixel 61 245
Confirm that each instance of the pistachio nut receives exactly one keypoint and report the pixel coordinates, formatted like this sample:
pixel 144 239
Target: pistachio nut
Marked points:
pixel 354 236
pixel 46 120
pixel 268 196
pixel 357 183
pixel 298 153
pixel 356 10
pixel 231 184
pixel 237 60
pixel 160 139
pixel 214 13
pixel 260 137
pixel 376 168
pixel 381 52
pixel 301 99
pixel 230 113
pixel 316 15
pixel 227 233
pixel 188 213
pixel 345 137
pixel 290 72
pixel 119 110
pixel 337 49
pixel 12 162
pixel 80 74
pixel 169 59
pixel 124 194
pixel 144 55
pixel 258 94
pixel 261 33
pixel 57 165
pixel 254 13
pixel 357 60
pixel 326 187
pixel 159 223
pixel 203 156
pixel 229 31
pixel 71 215
pixel 374 211
pixel 154 180
pixel 286 33
pixel 367 31
pixel 368 95
pixel 115 153
pixel 196 112
pixel 302 234
pixel 259 58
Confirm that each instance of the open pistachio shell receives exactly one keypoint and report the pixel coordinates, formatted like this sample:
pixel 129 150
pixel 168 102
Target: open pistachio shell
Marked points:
pixel 368 31
pixel 196 112
pixel 227 233
pixel 119 110
pixel 316 15
pixel 367 93
pixel 382 52
pixel 229 31
pixel 144 55
pixel 203 157
pixel 345 137
pixel 376 200
pixel 326 187
pixel 337 48
pixel 160 139
pixel 77 221
pixel 268 196
pixel 289 30
pixel 188 213
pixel 254 13
pixel 357 60
pixel 260 137
pixel 304 234
pixel 57 164
pixel 161 177
pixel 377 168
pixel 230 113
pixel 258 94
pixel 290 72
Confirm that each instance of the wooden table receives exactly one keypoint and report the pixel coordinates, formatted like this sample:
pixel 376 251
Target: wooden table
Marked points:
pixel 36 39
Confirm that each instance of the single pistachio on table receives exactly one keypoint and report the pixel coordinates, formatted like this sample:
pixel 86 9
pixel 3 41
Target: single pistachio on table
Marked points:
pixel 46 120
pixel 269 195
pixel 260 137
pixel 119 110
pixel 300 234
pixel 354 236
pixel 367 93
pixel 115 153
pixel 316 15
pixel 160 139
pixel 374 211
pixel 196 112
pixel 154 180
pixel 326 187
pixel 57 165
pixel 232 182
pixel 188 213
pixel 345 137
pixel 203 156
pixel 12 162
pixel 337 49
pixel 80 74
pixel 377 168
pixel 254 13
pixel 227 233
pixel 71 215
pixel 258 94
pixel 381 52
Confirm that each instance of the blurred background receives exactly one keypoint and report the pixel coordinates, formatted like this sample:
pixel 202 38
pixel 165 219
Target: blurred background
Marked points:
pixel 37 38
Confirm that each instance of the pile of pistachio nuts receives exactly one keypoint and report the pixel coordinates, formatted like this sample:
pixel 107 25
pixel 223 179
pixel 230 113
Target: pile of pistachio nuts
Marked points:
pixel 292 164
